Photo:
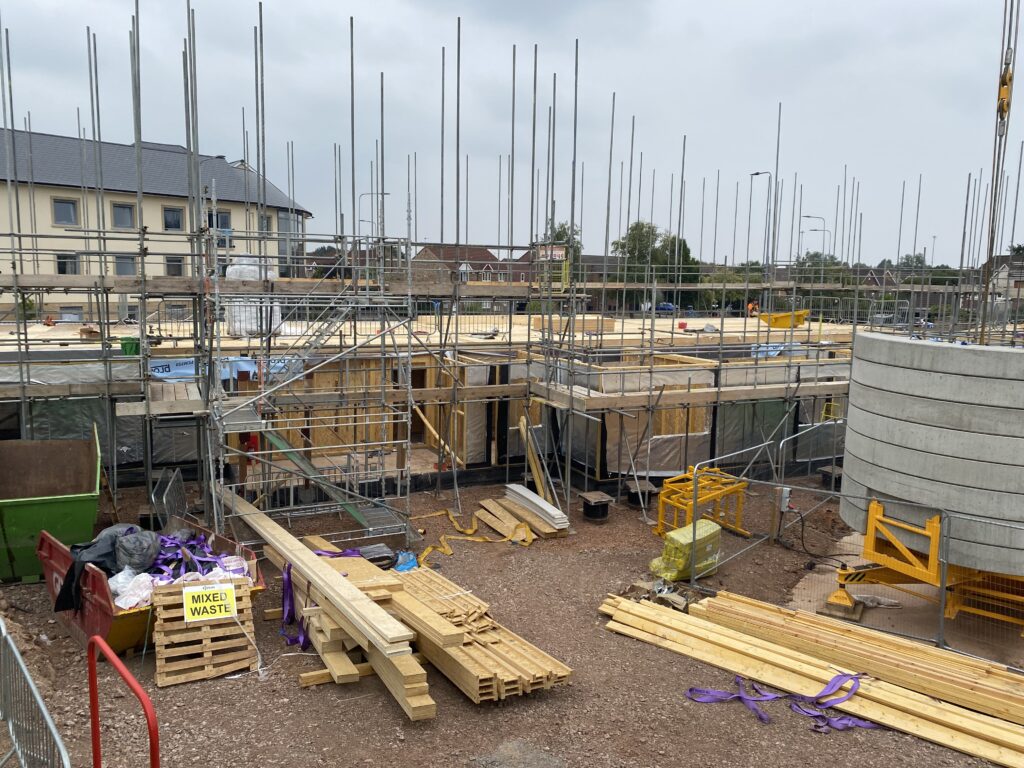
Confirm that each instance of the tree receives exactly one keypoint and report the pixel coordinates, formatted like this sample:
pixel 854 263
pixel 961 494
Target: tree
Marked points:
pixel 912 261
pixel 647 255
pixel 885 264
pixel 815 266
pixel 646 246
pixel 816 260
pixel 324 251
pixel 749 272
pixel 573 245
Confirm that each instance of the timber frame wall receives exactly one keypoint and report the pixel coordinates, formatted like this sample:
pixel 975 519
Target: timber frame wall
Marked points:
pixel 374 372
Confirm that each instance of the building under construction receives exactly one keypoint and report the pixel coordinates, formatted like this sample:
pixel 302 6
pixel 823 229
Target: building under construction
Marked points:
pixel 298 389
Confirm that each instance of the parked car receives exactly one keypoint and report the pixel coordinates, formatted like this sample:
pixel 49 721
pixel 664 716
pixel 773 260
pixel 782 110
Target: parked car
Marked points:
pixel 665 308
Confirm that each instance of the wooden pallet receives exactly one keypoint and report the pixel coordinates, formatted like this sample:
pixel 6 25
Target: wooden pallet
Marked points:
pixel 200 651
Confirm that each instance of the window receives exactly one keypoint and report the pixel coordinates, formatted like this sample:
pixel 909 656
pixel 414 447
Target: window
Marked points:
pixel 223 227
pixel 71 314
pixel 123 215
pixel 124 265
pixel 266 224
pixel 174 219
pixel 175 266
pixel 65 212
pixel 67 263
pixel 522 277
pixel 486 275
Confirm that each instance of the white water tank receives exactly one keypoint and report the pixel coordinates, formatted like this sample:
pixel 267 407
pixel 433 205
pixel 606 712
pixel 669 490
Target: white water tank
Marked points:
pixel 939 425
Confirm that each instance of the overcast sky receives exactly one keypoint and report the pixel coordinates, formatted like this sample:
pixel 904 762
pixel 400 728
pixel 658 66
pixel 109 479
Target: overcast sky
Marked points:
pixel 890 89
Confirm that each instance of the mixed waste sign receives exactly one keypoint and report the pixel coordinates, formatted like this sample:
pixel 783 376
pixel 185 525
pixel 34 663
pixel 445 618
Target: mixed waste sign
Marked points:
pixel 204 602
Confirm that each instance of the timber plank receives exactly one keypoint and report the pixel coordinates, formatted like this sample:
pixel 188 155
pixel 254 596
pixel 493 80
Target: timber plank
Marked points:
pixel 908 667
pixel 512 532
pixel 540 526
pixel 384 632
pixel 882 702
pixel 385 585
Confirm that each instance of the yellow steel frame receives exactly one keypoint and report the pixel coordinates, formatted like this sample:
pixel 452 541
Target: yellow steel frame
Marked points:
pixel 981 593
pixel 724 492
pixel 831 411
pixel 882 546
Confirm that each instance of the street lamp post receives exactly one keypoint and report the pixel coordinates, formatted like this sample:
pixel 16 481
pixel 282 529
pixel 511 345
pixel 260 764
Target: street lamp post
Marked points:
pixel 822 220
pixel 823 246
pixel 360 204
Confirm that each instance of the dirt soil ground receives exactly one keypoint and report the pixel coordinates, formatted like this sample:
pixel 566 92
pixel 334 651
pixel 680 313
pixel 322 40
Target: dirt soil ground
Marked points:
pixel 625 705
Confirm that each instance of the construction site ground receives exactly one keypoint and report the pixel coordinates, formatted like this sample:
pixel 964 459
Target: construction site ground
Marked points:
pixel 625 706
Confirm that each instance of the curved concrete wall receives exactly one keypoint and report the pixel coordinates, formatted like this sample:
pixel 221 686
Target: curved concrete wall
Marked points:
pixel 933 426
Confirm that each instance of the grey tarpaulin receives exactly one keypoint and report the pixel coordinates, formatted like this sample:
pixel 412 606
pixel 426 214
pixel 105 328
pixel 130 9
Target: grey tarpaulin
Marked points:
pixel 73 373
pixel 665 454
pixel 173 441
pixel 73 420
pixel 741 425
pixel 823 442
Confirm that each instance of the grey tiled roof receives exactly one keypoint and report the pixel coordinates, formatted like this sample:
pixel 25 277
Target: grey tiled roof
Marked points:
pixel 57 160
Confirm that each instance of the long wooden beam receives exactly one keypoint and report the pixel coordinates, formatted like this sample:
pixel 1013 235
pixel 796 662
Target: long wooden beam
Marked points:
pixel 591 401
pixel 882 702
pixel 558 396
pixel 192 286
pixel 88 389
pixel 384 632
pixel 369 396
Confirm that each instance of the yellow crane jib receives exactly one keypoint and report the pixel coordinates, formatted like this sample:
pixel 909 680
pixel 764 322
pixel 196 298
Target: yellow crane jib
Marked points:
pixel 722 491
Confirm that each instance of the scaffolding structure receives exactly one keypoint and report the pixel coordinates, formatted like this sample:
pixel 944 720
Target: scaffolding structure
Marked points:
pixel 337 385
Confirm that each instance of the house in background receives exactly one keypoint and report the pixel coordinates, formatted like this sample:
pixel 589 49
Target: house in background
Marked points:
pixel 56 184
pixel 472 264
pixel 1008 277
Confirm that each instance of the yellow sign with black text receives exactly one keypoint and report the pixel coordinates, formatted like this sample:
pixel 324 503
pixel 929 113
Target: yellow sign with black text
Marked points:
pixel 204 602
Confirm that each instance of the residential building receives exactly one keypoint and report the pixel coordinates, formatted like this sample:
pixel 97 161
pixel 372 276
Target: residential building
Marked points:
pixel 80 222
pixel 1008 277
pixel 472 263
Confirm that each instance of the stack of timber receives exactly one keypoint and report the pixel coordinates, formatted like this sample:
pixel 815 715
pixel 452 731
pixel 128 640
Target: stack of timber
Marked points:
pixel 345 615
pixel 341 649
pixel 453 631
pixel 509 519
pixel 493 663
pixel 908 709
pixel 205 649
pixel 949 676
pixel 522 497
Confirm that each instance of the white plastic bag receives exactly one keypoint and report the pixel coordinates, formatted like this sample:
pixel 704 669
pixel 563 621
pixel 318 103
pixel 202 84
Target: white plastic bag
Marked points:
pixel 119 581
pixel 138 592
